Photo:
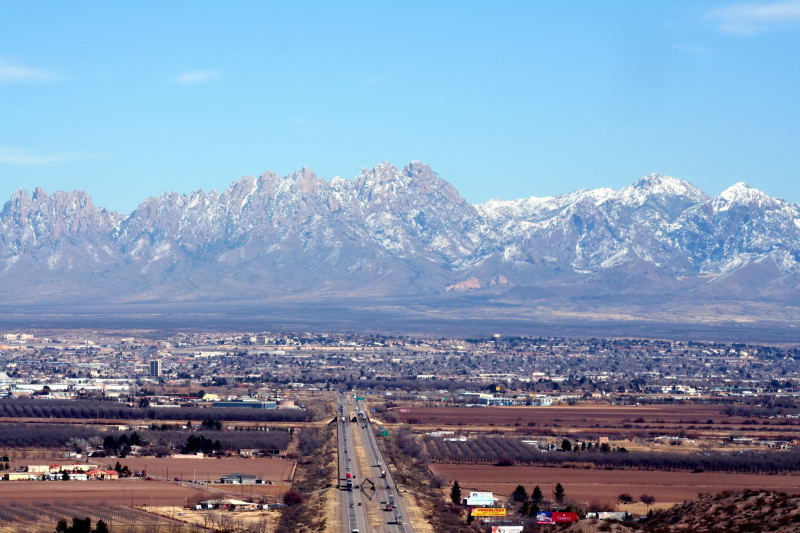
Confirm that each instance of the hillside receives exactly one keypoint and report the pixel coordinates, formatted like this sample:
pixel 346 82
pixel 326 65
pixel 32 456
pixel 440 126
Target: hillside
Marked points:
pixel 727 512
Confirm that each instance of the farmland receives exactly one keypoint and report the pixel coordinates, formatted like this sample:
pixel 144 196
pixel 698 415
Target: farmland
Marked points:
pixel 587 486
pixel 42 517
pixel 615 421
pixel 572 415
pixel 124 492
pixel 514 451
pixel 268 469
pixel 92 410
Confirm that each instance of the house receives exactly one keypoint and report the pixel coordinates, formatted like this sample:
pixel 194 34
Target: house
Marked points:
pixel 21 476
pixel 228 505
pixel 78 467
pixel 102 474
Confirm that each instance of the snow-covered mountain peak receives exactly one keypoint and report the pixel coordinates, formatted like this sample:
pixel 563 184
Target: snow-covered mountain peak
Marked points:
pixel 659 185
pixel 743 194
pixel 401 229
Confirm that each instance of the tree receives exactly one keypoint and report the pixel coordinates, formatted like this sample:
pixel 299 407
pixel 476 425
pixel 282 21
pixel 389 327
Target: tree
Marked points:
pixel 559 493
pixel 211 424
pixel 647 499
pixel 625 498
pixel 519 494
pixel 78 444
pixel 81 525
pixel 536 495
pixel 455 493
pixel 292 497
pixel 566 445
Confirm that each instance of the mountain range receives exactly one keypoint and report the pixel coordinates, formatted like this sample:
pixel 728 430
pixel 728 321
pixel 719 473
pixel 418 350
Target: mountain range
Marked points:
pixel 405 234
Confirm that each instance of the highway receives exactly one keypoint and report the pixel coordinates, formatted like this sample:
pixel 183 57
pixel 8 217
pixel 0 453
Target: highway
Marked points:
pixel 353 510
pixel 374 490
pixel 387 491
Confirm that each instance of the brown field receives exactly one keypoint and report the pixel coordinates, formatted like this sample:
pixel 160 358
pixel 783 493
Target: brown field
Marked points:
pixel 209 469
pixel 569 415
pixel 41 518
pixel 124 492
pixel 206 469
pixel 605 419
pixel 588 486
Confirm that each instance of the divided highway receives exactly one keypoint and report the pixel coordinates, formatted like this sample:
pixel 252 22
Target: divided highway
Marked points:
pixel 376 489
pixel 354 513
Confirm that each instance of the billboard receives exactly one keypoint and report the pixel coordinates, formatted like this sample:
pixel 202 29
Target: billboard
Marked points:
pixel 489 511
pixel 481 499
pixel 506 529
pixel 546 517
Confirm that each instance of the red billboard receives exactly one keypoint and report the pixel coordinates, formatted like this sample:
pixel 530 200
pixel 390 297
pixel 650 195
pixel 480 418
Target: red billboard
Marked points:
pixel 546 517
pixel 561 518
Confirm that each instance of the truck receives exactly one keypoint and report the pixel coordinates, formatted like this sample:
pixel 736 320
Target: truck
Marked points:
pixel 389 505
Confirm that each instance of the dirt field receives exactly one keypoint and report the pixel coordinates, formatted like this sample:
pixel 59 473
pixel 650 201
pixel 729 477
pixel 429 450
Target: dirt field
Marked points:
pixel 697 421
pixel 252 521
pixel 568 415
pixel 206 469
pixel 124 492
pixel 604 485
pixel 41 518
pixel 268 469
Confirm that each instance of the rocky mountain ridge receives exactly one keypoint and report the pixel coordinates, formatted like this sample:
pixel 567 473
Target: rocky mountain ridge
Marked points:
pixel 397 232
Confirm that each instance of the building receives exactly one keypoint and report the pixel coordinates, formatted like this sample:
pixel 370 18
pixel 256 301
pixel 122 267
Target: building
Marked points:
pixel 238 479
pixel 254 404
pixel 155 368
pixel 102 474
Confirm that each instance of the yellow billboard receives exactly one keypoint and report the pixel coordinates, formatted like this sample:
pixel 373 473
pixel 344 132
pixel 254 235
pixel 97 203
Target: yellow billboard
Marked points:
pixel 489 511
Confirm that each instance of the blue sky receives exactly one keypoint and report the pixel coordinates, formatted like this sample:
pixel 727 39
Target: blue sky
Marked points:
pixel 503 99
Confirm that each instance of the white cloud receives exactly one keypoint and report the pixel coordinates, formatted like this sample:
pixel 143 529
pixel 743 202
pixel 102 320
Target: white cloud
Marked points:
pixel 9 72
pixel 10 155
pixel 191 77
pixel 752 18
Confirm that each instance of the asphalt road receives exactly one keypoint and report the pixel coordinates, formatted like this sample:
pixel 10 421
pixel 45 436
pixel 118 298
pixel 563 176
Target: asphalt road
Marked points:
pixel 353 510
pixel 386 488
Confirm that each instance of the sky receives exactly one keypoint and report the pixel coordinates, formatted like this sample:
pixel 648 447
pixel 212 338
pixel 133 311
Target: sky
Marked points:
pixel 127 100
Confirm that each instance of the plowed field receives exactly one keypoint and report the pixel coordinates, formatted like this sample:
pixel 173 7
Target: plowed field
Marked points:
pixel 604 485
